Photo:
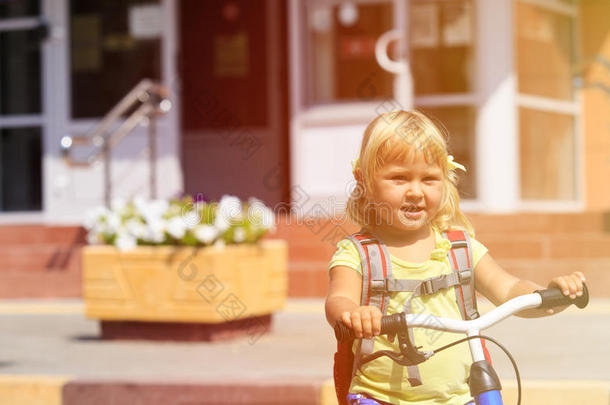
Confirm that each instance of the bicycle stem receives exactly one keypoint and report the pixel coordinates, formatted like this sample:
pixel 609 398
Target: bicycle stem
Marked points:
pixel 476 347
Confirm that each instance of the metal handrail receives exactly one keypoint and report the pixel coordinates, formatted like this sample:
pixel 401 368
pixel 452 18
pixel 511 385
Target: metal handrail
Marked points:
pixel 148 100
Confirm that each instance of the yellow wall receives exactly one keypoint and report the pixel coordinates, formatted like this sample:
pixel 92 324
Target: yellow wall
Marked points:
pixel 595 41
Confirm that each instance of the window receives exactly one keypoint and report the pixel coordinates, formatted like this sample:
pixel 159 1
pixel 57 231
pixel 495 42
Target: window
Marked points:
pixel 548 112
pixel 20 8
pixel 545 52
pixel 20 169
pixel 547 155
pixel 20 72
pixel 442 46
pixel 340 56
pixel 113 45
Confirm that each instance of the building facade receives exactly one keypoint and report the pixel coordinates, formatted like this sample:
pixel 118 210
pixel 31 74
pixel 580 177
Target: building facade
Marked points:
pixel 270 97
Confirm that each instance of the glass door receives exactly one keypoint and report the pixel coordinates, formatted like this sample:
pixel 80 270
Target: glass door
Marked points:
pixel 22 31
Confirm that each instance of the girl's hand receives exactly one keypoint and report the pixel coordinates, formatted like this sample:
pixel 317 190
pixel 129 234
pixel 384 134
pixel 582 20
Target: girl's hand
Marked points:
pixel 571 286
pixel 365 321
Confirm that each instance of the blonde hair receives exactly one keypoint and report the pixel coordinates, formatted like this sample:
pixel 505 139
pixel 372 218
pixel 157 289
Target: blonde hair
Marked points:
pixel 403 135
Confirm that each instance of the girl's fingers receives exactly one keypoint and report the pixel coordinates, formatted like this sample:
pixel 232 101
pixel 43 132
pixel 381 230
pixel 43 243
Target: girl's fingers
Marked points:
pixel 578 283
pixel 572 289
pixel 367 325
pixel 346 318
pixel 356 324
pixel 560 283
pixel 376 324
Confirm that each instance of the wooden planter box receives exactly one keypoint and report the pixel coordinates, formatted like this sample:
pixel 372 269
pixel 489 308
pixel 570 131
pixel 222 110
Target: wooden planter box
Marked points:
pixel 238 286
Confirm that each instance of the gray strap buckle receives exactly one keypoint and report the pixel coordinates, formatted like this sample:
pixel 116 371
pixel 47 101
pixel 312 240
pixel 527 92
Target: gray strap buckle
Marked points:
pixel 464 276
pixel 456 244
pixel 427 287
pixel 379 286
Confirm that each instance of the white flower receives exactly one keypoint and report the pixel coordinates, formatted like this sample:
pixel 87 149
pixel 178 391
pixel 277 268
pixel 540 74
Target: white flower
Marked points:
pixel 260 215
pixel 176 227
pixel 239 234
pixel 136 228
pixel 125 241
pixel 191 219
pixel 140 204
pixel 206 233
pixel 113 222
pixel 229 210
pixel 152 210
pixel 155 231
pixel 94 216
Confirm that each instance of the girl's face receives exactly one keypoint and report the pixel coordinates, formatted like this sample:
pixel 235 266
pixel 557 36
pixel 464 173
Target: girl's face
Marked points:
pixel 408 195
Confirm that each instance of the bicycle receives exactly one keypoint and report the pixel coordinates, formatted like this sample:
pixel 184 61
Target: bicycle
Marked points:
pixel 484 383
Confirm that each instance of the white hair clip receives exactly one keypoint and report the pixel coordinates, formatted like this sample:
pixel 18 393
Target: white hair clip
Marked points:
pixel 453 164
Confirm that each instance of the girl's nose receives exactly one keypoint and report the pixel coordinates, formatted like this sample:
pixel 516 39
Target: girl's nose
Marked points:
pixel 414 189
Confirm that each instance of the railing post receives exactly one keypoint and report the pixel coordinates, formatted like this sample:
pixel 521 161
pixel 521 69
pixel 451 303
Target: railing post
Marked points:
pixel 152 156
pixel 107 174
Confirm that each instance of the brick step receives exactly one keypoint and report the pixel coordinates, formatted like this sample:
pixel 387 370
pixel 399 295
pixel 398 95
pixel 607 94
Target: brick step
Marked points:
pixel 11 235
pixel 39 257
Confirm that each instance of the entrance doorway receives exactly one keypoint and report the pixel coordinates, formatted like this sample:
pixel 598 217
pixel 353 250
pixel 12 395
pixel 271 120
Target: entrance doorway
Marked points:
pixel 234 99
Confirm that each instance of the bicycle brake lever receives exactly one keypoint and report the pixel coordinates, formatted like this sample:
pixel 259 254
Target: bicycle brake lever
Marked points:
pixel 407 348
pixel 397 357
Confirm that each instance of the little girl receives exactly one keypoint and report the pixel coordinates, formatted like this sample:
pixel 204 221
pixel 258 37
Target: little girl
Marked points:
pixel 406 197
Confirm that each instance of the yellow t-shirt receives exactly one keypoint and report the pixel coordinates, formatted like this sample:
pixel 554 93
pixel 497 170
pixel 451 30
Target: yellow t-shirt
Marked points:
pixel 444 374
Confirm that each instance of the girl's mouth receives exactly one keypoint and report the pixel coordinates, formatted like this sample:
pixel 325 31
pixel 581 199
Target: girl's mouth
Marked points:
pixel 412 211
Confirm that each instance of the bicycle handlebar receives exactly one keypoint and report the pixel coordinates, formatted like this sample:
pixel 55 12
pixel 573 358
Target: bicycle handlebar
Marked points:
pixel 542 299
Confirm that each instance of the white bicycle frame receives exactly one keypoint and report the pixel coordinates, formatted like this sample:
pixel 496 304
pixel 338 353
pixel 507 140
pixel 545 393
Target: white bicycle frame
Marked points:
pixel 473 327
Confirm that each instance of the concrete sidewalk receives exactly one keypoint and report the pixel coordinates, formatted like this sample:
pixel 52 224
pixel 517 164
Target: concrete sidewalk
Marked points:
pixel 50 354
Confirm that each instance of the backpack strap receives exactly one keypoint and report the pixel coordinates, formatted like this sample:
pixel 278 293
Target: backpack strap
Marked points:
pixel 376 272
pixel 376 267
pixel 460 260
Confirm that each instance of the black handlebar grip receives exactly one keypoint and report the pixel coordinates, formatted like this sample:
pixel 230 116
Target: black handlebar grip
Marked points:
pixel 342 332
pixel 390 324
pixel 553 297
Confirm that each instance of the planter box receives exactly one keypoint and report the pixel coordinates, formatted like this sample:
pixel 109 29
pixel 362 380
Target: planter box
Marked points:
pixel 184 284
